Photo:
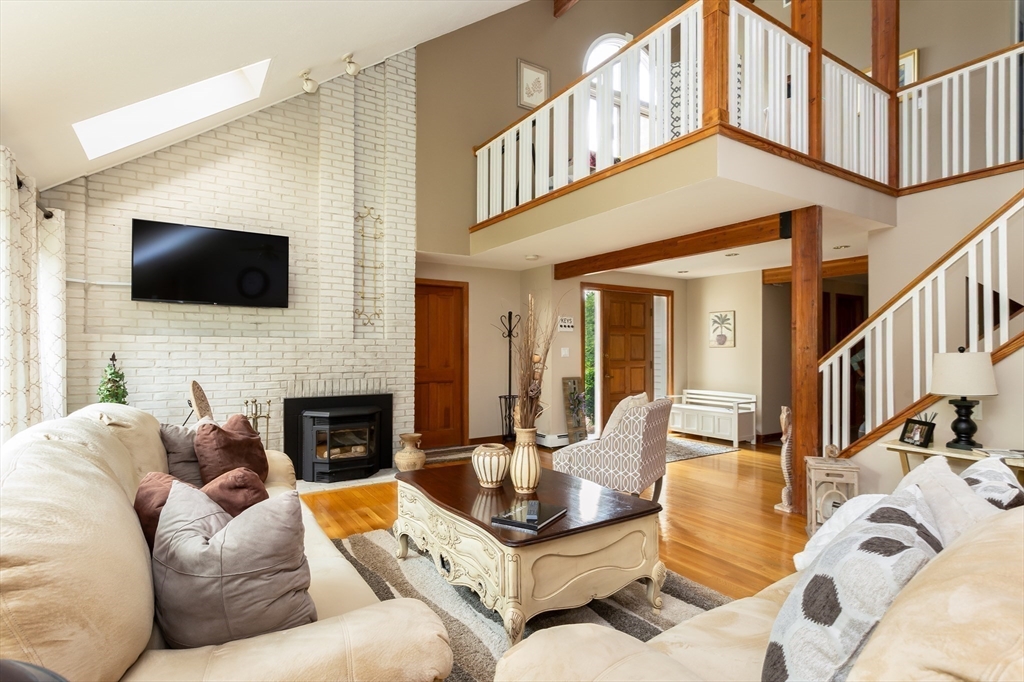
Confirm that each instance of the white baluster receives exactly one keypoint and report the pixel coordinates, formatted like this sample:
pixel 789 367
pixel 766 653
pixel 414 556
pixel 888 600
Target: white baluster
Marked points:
pixel 509 170
pixel 1001 87
pixel 915 345
pixel 990 92
pixel 1004 283
pixel 734 83
pixel 826 400
pixel 494 150
pixel 542 147
pixel 847 393
pixel 986 290
pixel 580 131
pixel 524 132
pixel 560 142
pixel 940 280
pixel 972 299
pixel 869 380
pixel 1014 107
pixel 837 401
pixel 890 373
pixel 923 94
pixel 879 376
pixel 604 117
pixel 945 128
pixel 905 160
pixel 956 125
pixel 928 333
pixel 967 124
pixel 481 184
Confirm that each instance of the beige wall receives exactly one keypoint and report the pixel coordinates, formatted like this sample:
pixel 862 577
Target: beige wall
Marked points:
pixel 929 224
pixel 735 369
pixel 999 427
pixel 776 354
pixel 492 293
pixel 947 32
pixel 466 92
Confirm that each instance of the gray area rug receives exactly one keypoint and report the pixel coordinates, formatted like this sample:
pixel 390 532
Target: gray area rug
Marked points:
pixel 477 637
pixel 678 449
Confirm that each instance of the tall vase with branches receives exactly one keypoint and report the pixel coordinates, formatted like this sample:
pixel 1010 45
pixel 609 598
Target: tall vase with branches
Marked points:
pixel 531 353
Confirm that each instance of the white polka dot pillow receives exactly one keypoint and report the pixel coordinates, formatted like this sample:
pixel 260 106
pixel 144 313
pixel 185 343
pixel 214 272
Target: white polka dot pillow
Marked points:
pixel 826 620
pixel 993 480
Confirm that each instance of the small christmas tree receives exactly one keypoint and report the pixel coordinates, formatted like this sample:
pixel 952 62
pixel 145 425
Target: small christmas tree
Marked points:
pixel 113 389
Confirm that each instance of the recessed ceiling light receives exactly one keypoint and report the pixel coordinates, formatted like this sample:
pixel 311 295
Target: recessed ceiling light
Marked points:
pixel 683 272
pixel 730 255
pixel 123 127
pixel 533 256
pixel 841 246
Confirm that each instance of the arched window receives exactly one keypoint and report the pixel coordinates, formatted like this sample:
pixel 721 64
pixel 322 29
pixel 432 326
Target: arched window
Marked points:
pixel 599 51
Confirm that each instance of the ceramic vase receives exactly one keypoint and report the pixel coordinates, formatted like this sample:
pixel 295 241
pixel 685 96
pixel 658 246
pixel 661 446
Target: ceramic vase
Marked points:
pixel 525 462
pixel 491 462
pixel 410 457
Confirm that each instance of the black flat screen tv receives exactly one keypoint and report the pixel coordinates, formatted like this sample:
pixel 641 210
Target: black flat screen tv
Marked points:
pixel 188 264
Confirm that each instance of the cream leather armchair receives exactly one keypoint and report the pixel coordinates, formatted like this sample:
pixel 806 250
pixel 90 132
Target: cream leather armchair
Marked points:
pixel 630 458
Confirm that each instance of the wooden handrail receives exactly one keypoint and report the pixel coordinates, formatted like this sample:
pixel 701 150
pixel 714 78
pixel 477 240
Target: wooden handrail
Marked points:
pixel 747 5
pixel 856 71
pixel 925 401
pixel 920 278
pixel 588 75
pixel 966 65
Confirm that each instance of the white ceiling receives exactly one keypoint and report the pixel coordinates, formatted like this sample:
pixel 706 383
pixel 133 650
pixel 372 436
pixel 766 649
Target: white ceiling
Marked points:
pixel 63 61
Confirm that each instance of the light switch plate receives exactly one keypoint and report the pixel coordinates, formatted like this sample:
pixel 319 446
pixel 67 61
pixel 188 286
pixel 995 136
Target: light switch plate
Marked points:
pixel 565 352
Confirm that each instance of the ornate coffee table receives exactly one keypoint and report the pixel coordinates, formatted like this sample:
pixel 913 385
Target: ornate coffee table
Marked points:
pixel 604 542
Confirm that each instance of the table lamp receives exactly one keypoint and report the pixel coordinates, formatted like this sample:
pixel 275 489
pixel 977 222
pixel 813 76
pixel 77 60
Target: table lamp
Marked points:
pixel 963 374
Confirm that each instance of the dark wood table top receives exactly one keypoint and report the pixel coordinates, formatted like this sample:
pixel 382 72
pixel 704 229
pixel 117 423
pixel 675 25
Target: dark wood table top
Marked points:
pixel 457 490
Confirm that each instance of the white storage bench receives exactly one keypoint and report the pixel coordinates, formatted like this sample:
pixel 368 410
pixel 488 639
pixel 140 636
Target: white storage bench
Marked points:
pixel 716 414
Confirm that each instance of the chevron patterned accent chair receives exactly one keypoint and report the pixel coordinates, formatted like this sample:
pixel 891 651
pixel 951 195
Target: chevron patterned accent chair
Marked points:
pixel 628 459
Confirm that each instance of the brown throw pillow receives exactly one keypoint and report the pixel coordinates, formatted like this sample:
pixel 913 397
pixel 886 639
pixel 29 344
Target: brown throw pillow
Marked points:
pixel 223 448
pixel 218 579
pixel 234 492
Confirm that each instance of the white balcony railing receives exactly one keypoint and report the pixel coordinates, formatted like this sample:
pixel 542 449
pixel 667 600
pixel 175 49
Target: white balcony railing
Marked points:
pixel 646 95
pixel 855 121
pixel 886 364
pixel 965 120
pixel 768 86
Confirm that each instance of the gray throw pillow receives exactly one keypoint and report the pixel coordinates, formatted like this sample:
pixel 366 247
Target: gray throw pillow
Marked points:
pixel 843 594
pixel 218 578
pixel 179 442
pixel 994 482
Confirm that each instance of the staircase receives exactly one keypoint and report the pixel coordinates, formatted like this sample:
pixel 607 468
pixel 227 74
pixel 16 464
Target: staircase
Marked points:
pixel 879 375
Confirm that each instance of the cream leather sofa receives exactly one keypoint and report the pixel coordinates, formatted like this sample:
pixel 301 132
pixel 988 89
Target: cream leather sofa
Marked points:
pixel 76 593
pixel 960 618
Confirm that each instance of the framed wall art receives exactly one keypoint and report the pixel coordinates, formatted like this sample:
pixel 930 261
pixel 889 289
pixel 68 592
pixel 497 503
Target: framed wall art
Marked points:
pixel 534 84
pixel 723 329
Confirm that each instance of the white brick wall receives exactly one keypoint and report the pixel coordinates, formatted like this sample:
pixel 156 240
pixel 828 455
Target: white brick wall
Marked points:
pixel 301 168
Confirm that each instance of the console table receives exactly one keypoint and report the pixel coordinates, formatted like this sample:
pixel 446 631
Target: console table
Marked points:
pixel 1016 464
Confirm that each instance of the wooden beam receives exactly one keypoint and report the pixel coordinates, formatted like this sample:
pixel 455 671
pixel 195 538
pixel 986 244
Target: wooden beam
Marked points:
pixel 806 386
pixel 885 68
pixel 806 22
pixel 840 267
pixel 757 231
pixel 562 6
pixel 716 62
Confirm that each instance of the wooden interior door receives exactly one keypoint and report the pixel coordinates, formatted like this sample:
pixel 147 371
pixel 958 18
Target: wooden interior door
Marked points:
pixel 627 344
pixel 441 353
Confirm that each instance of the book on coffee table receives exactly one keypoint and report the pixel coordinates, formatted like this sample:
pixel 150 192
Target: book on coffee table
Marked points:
pixel 521 517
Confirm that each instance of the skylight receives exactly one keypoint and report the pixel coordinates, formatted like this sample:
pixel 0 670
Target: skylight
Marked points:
pixel 123 127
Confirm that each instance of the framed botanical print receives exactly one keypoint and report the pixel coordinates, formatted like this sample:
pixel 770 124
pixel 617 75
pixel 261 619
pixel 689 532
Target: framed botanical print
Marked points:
pixel 907 69
pixel 723 329
pixel 534 84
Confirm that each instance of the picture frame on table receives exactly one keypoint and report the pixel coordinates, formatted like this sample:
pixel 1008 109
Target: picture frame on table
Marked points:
pixel 534 84
pixel 917 433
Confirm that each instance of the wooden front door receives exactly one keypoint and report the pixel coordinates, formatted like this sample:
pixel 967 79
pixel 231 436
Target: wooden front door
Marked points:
pixel 627 345
pixel 440 363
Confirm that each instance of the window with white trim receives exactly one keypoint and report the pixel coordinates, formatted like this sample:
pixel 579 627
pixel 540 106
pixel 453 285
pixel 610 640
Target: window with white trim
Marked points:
pixel 599 51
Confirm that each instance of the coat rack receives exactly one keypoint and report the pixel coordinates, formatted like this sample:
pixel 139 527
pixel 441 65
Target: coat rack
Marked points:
pixel 507 402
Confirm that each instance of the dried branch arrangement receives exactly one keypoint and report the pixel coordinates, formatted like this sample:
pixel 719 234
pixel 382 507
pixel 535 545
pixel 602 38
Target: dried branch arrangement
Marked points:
pixel 531 352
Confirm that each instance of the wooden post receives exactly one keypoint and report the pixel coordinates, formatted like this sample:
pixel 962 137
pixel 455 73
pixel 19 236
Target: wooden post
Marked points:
pixel 716 61
pixel 806 21
pixel 806 385
pixel 885 68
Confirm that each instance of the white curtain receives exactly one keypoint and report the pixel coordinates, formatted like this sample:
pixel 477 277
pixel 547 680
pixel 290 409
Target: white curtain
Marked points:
pixel 33 322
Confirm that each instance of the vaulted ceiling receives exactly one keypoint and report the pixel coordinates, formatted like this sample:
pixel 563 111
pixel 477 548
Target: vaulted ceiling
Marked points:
pixel 63 61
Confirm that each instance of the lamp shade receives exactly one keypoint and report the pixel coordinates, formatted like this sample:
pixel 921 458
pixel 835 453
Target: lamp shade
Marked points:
pixel 963 374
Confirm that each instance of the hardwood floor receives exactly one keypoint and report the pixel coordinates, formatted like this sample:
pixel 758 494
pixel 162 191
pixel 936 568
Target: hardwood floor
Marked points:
pixel 718 526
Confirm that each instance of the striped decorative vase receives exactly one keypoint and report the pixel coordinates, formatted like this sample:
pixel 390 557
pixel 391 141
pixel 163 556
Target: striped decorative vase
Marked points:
pixel 491 462
pixel 525 462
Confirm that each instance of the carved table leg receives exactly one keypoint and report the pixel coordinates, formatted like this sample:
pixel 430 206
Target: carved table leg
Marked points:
pixel 403 544
pixel 654 584
pixel 514 621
